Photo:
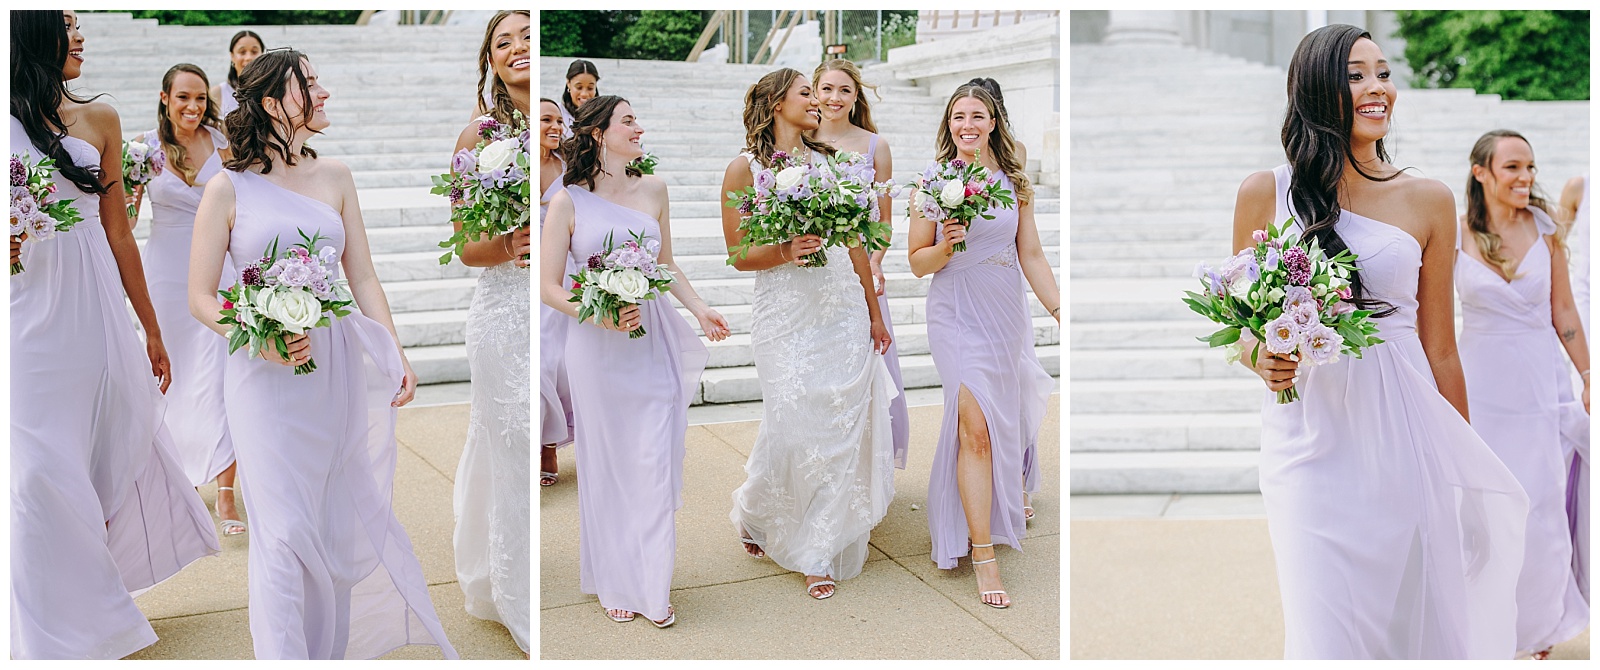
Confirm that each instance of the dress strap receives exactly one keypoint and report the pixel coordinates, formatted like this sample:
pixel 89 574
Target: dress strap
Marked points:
pixel 872 148
pixel 1283 209
pixel 1542 221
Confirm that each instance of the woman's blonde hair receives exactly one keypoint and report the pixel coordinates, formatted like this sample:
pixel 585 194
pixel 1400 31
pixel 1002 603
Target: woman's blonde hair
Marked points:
pixel 861 113
pixel 1001 145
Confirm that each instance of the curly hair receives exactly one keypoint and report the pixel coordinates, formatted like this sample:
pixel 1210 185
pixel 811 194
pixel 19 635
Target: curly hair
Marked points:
pixel 1001 145
pixel 504 107
pixel 38 87
pixel 760 116
pixel 1478 204
pixel 582 150
pixel 169 138
pixel 255 134
pixel 861 113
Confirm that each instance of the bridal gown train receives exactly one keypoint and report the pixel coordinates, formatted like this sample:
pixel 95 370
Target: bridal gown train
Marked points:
pixel 332 573
pixel 1519 397
pixel 99 505
pixel 1398 534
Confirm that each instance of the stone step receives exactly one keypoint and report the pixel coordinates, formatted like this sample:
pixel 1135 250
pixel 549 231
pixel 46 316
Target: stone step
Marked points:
pixel 419 265
pixel 1197 362
pixel 1166 472
pixel 1149 267
pixel 440 364
pixel 1133 301
pixel 433 327
pixel 1174 334
pixel 1144 396
pixel 725 385
pixel 1143 433
pixel 430 294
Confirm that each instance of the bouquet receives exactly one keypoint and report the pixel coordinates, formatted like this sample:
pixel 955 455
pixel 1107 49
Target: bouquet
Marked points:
pixel 282 294
pixel 140 163
pixel 958 190
pixel 487 185
pixel 645 164
pixel 618 277
pixel 1290 296
pixel 35 211
pixel 835 200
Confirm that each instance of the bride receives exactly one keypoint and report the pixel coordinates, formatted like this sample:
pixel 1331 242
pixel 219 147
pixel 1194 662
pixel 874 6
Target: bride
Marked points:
pixel 821 473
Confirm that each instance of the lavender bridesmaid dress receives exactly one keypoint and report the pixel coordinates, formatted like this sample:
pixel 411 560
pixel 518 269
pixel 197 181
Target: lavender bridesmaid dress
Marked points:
pixel 194 400
pixel 1398 533
pixel 630 400
pixel 332 572
pixel 1520 400
pixel 1578 462
pixel 981 335
pixel 555 398
pixel 899 418
pixel 99 506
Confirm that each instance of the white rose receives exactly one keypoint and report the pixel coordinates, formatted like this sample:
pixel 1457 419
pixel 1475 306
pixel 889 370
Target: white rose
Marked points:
pixel 630 285
pixel 138 150
pixel 791 177
pixel 917 198
pixel 952 194
pixel 497 155
pixel 295 308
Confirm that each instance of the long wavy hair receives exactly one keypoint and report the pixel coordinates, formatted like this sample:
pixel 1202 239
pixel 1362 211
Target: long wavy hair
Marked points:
pixel 556 151
pixel 1001 144
pixel 38 87
pixel 254 134
pixel 582 151
pixel 169 138
pixel 233 72
pixel 993 87
pixel 1316 139
pixel 579 66
pixel 861 113
pixel 760 116
pixel 504 107
pixel 1478 204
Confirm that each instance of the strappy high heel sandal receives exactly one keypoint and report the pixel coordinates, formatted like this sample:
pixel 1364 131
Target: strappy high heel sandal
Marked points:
pixel 981 594
pixel 231 526
pixel 748 543
pixel 618 618
pixel 672 618
pixel 811 589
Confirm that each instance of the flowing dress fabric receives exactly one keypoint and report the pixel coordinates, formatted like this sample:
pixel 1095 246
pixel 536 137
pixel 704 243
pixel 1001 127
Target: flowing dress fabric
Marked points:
pixel 492 496
pixel 555 398
pixel 99 506
pixel 332 573
pixel 228 102
pixel 1516 376
pixel 899 417
pixel 1397 532
pixel 980 332
pixel 195 414
pixel 821 473
pixel 1578 475
pixel 630 400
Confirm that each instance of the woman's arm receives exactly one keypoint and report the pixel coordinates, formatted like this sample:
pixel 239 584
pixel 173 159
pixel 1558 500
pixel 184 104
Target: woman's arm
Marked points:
pixel 360 273
pixel 1035 265
pixel 877 331
pixel 883 168
pixel 213 221
pixel 1253 211
pixel 555 242
pixel 711 321
pixel 107 128
pixel 504 248
pixel 737 178
pixel 1436 318
pixel 1564 314
pixel 926 256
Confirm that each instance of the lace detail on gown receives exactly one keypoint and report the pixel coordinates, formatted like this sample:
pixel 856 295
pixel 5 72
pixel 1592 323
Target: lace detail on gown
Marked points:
pixel 1006 258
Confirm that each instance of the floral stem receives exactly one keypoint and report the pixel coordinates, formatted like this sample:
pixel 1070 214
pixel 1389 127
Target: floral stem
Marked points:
pixel 306 368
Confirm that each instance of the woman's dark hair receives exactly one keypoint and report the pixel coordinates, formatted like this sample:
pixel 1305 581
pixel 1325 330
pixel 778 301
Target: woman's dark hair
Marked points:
pixel 503 107
pixel 1316 139
pixel 579 66
pixel 1489 243
pixel 993 87
pixel 233 73
pixel 169 138
pixel 557 150
pixel 253 133
pixel 761 116
pixel 38 52
pixel 582 150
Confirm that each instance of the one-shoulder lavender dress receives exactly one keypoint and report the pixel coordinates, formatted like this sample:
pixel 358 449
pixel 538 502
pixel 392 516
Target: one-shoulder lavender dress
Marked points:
pixel 630 406
pixel 1520 398
pixel 332 573
pixel 100 508
pixel 1398 534
pixel 980 332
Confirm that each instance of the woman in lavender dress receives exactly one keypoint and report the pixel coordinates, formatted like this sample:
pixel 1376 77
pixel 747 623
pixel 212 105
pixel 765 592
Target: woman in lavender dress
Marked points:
pixel 847 126
pixel 99 507
pixel 1517 317
pixel 555 400
pixel 1397 532
pixel 332 572
pixel 245 46
pixel 630 396
pixel 980 331
pixel 1575 199
pixel 583 84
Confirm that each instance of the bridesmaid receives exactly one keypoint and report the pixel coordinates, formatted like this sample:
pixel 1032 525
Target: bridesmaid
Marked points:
pixel 332 572
pixel 980 331
pixel 242 49
pixel 847 126
pixel 492 491
pixel 1397 532
pixel 993 87
pixel 630 397
pixel 555 401
pixel 1575 203
pixel 187 128
pixel 582 86
pixel 99 506
pixel 1517 317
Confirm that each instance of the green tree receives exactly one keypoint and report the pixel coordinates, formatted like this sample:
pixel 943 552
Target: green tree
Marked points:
pixel 589 34
pixel 1520 55
pixel 249 17
pixel 659 35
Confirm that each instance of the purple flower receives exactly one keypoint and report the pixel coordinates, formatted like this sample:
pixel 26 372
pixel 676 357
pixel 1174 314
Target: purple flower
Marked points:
pixel 457 195
pixel 1215 280
pixel 252 276
pixel 597 262
pixel 1341 308
pixel 19 172
pixel 745 207
pixel 463 162
pixel 1296 297
pixel 1283 336
pixel 1270 263
pixel 765 181
pixel 779 156
pixel 1322 345
pixel 488 127
pixel 1259 236
pixel 958 164
pixel 1298 266
pixel 1305 315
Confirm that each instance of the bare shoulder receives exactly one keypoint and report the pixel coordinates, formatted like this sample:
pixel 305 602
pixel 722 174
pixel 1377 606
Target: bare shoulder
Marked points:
pixel 1572 192
pixel 333 168
pixel 220 182
pixel 100 125
pixel 653 185
pixel 738 170
pixel 468 137
pixel 1425 191
pixel 1259 187
pixel 560 203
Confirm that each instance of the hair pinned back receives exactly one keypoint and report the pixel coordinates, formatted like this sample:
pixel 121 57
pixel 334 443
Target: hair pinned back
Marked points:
pixel 233 72
pixel 582 151
pixel 760 116
pixel 255 136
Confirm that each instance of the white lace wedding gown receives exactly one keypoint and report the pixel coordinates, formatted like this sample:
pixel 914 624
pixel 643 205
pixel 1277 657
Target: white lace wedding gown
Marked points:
pixel 821 473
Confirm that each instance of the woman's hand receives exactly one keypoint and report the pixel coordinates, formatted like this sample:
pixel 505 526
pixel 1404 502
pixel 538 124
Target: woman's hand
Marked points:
pixel 299 347
pixel 1586 394
pixel 408 384
pixel 713 325
pixel 627 319
pixel 881 339
pixel 131 202
pixel 954 232
pixel 520 244
pixel 161 366
pixel 16 247
pixel 1277 370
pixel 878 282
pixel 800 246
